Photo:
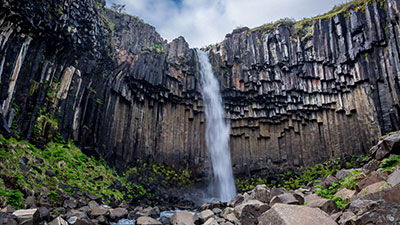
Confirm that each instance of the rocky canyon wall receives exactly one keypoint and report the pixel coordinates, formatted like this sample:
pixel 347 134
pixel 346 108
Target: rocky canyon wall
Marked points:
pixel 119 90
pixel 295 98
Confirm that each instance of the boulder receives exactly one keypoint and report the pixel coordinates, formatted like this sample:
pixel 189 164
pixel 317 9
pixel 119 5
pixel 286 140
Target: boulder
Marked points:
pixel 346 193
pixel 217 211
pixel 370 166
pixel 184 218
pixel 226 211
pixel 283 214
pixel 206 214
pixel 8 219
pixel 341 174
pixel 211 221
pixel 261 193
pixel 238 199
pixel 71 204
pixel 118 213
pixel 390 144
pixel 326 205
pixel 374 177
pixel 392 194
pixel 310 197
pixel 99 211
pixel 360 206
pixel 248 212
pixel 373 188
pixel 27 216
pixel 380 212
pixel 286 198
pixel 150 211
pixel 328 181
pixel 8 209
pixel 58 221
pixel 394 178
pixel 145 220
pixel 92 204
pixel 345 217
pixel 30 202
pixel 44 213
pixel 232 218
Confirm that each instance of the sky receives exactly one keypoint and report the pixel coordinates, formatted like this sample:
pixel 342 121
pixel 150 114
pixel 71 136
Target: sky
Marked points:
pixel 204 22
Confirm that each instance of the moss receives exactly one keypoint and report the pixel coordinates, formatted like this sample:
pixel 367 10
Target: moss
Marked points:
pixel 303 28
pixel 78 172
pixel 293 179
pixel 390 163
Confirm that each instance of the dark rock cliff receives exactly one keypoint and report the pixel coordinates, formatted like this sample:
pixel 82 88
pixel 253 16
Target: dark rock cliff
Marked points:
pixel 111 83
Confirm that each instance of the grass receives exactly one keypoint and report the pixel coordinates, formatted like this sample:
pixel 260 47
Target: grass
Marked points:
pixel 293 179
pixel 76 171
pixel 388 164
pixel 303 28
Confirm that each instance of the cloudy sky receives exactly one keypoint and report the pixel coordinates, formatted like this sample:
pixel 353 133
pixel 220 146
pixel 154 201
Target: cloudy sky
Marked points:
pixel 204 22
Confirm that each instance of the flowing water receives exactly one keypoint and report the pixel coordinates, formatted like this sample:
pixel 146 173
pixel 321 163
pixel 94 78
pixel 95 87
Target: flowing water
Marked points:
pixel 222 186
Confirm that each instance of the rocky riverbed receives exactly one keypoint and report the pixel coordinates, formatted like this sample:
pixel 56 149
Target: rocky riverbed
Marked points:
pixel 365 195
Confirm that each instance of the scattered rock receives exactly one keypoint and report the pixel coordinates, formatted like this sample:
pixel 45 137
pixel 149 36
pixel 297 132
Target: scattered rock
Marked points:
pixel 370 189
pixel 206 214
pixel 118 213
pixel 93 197
pixel 150 211
pixel 238 199
pixel 71 204
pixel 374 177
pixel 217 211
pixel 145 220
pixel 390 144
pixel 184 218
pixel 346 193
pixel 370 166
pixel 341 174
pixel 27 216
pixel 310 197
pixel 99 211
pixel 345 217
pixel 211 221
pixel 394 178
pixel 8 209
pixel 283 214
pixel 58 221
pixel 326 205
pixel 248 212
pixel 44 213
pixel 260 193
pixel 286 198
pixel 8 219
pixel 30 202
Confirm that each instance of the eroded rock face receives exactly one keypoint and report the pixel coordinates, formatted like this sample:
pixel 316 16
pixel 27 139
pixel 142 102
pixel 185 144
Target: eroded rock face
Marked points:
pixel 122 92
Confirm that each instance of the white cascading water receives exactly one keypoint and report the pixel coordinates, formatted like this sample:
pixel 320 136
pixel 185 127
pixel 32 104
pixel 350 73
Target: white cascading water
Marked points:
pixel 217 133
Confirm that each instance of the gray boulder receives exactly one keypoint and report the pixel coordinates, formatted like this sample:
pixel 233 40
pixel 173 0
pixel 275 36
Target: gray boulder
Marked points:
pixel 27 216
pixel 248 212
pixel 283 214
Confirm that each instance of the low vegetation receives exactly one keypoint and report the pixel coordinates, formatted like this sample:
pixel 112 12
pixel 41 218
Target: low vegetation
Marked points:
pixel 303 28
pixel 62 168
pixel 293 179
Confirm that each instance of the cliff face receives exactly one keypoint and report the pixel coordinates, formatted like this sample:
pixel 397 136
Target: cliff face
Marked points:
pixel 296 99
pixel 112 84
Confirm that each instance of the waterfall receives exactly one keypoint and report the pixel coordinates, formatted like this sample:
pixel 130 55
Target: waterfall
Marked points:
pixel 217 133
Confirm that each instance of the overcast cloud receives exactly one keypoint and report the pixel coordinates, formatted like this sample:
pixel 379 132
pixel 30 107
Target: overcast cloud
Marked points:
pixel 204 22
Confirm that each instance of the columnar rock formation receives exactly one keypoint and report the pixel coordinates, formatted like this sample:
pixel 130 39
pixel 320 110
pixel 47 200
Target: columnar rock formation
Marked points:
pixel 111 83
pixel 296 99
